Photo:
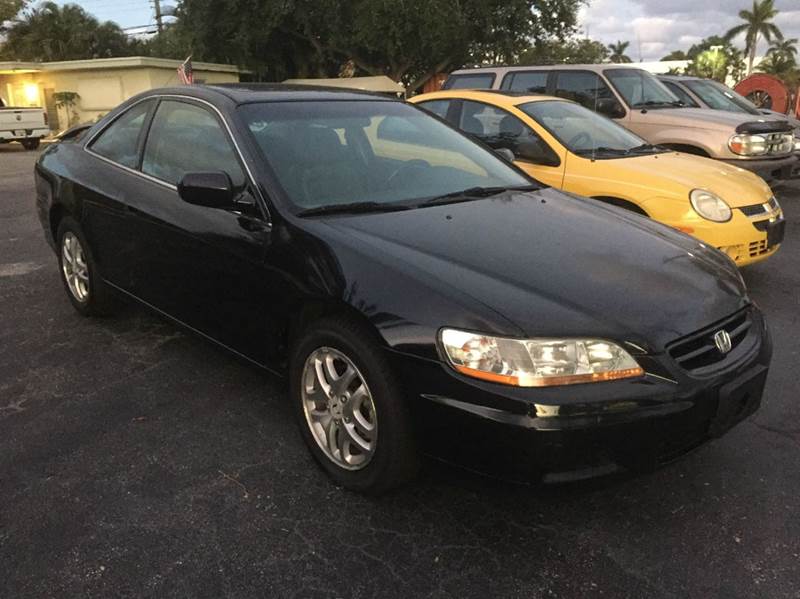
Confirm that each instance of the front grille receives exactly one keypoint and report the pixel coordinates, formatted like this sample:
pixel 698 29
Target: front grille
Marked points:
pixel 698 350
pixel 757 248
pixel 776 143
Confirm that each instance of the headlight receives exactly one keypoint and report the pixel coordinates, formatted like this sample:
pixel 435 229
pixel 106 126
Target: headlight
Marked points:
pixel 537 362
pixel 710 206
pixel 748 145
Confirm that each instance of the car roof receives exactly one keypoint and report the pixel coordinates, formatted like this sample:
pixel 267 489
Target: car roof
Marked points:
pixel 680 78
pixel 246 93
pixel 491 96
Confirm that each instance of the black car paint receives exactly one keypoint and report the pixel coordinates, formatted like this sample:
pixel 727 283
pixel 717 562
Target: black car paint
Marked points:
pixel 248 281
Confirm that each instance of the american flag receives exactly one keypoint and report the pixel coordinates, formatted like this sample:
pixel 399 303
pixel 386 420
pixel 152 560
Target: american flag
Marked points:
pixel 185 72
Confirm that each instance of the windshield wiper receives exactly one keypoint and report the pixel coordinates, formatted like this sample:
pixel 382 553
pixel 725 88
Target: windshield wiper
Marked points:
pixel 472 193
pixel 601 150
pixel 352 208
pixel 657 104
pixel 647 148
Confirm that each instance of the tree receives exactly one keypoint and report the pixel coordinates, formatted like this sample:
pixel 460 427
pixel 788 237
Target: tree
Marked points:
pixel 408 41
pixel 757 23
pixel 570 51
pixel 51 32
pixel 618 52
pixel 675 55
pixel 781 61
pixel 784 48
pixel 715 58
pixel 10 9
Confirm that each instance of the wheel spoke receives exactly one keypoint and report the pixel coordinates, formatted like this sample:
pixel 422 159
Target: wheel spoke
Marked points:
pixel 341 383
pixel 354 437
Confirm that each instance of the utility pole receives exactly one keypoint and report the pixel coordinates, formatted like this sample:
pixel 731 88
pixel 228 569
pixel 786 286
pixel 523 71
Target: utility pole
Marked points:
pixel 159 23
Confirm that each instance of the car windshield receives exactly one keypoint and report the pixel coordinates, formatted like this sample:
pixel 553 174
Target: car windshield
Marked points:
pixel 720 97
pixel 371 153
pixel 641 89
pixel 585 132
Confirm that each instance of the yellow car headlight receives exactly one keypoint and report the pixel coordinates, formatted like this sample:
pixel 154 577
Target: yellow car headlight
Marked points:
pixel 710 206
pixel 537 362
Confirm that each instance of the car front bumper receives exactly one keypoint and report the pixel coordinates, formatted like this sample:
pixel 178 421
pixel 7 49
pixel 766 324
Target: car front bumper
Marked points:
pixel 771 170
pixel 575 431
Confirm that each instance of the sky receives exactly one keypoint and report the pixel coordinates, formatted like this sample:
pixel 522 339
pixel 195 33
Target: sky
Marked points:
pixel 654 27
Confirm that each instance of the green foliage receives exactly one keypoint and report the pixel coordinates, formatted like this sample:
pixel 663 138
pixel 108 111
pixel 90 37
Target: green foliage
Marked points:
pixel 570 51
pixel 757 23
pixel 407 40
pixel 51 32
pixel 781 61
pixel 715 58
pixel 10 9
pixel 675 55
pixel 618 52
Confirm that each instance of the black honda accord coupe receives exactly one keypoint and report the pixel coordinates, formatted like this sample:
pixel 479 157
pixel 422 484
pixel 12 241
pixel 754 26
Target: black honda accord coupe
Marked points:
pixel 420 293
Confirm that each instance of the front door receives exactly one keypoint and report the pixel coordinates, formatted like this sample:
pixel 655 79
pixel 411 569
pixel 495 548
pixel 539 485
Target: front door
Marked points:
pixel 202 266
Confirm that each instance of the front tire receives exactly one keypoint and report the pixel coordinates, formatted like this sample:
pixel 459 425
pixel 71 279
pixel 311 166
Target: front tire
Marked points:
pixel 350 407
pixel 86 291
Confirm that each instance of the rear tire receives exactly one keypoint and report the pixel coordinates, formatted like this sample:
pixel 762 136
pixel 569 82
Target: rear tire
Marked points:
pixel 337 365
pixel 31 144
pixel 87 293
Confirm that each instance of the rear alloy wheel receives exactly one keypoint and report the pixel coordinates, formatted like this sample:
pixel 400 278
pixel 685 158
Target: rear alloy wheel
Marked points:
pixel 86 292
pixel 352 412
pixel 74 267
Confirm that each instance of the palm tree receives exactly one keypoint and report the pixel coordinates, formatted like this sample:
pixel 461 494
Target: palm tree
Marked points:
pixel 618 52
pixel 784 48
pixel 757 22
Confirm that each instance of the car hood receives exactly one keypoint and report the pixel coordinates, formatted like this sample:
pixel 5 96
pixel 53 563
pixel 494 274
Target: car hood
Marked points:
pixel 555 265
pixel 702 118
pixel 675 174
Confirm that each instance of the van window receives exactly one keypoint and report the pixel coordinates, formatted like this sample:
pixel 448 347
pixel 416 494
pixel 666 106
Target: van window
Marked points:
pixel 470 81
pixel 534 82
pixel 583 87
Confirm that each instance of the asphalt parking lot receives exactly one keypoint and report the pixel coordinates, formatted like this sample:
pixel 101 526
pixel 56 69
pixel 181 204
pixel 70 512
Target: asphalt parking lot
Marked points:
pixel 138 460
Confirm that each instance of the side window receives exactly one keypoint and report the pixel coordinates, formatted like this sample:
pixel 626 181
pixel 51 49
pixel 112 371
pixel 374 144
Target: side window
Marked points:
pixel 534 82
pixel 185 138
pixel 467 81
pixel 499 129
pixel 583 87
pixel 679 91
pixel 437 107
pixel 120 141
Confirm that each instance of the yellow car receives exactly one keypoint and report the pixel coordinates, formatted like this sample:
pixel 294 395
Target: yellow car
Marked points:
pixel 567 146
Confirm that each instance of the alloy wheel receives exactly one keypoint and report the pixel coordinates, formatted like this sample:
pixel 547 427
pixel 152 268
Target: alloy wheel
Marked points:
pixel 339 408
pixel 73 264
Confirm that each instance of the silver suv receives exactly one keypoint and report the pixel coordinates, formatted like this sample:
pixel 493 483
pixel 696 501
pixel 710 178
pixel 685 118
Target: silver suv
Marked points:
pixel 636 99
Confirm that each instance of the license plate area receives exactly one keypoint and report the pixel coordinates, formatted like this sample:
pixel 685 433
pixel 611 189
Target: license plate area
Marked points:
pixel 775 233
pixel 20 133
pixel 738 400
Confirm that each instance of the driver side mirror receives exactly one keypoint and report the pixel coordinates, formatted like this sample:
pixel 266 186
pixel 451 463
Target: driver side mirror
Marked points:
pixel 611 108
pixel 211 189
